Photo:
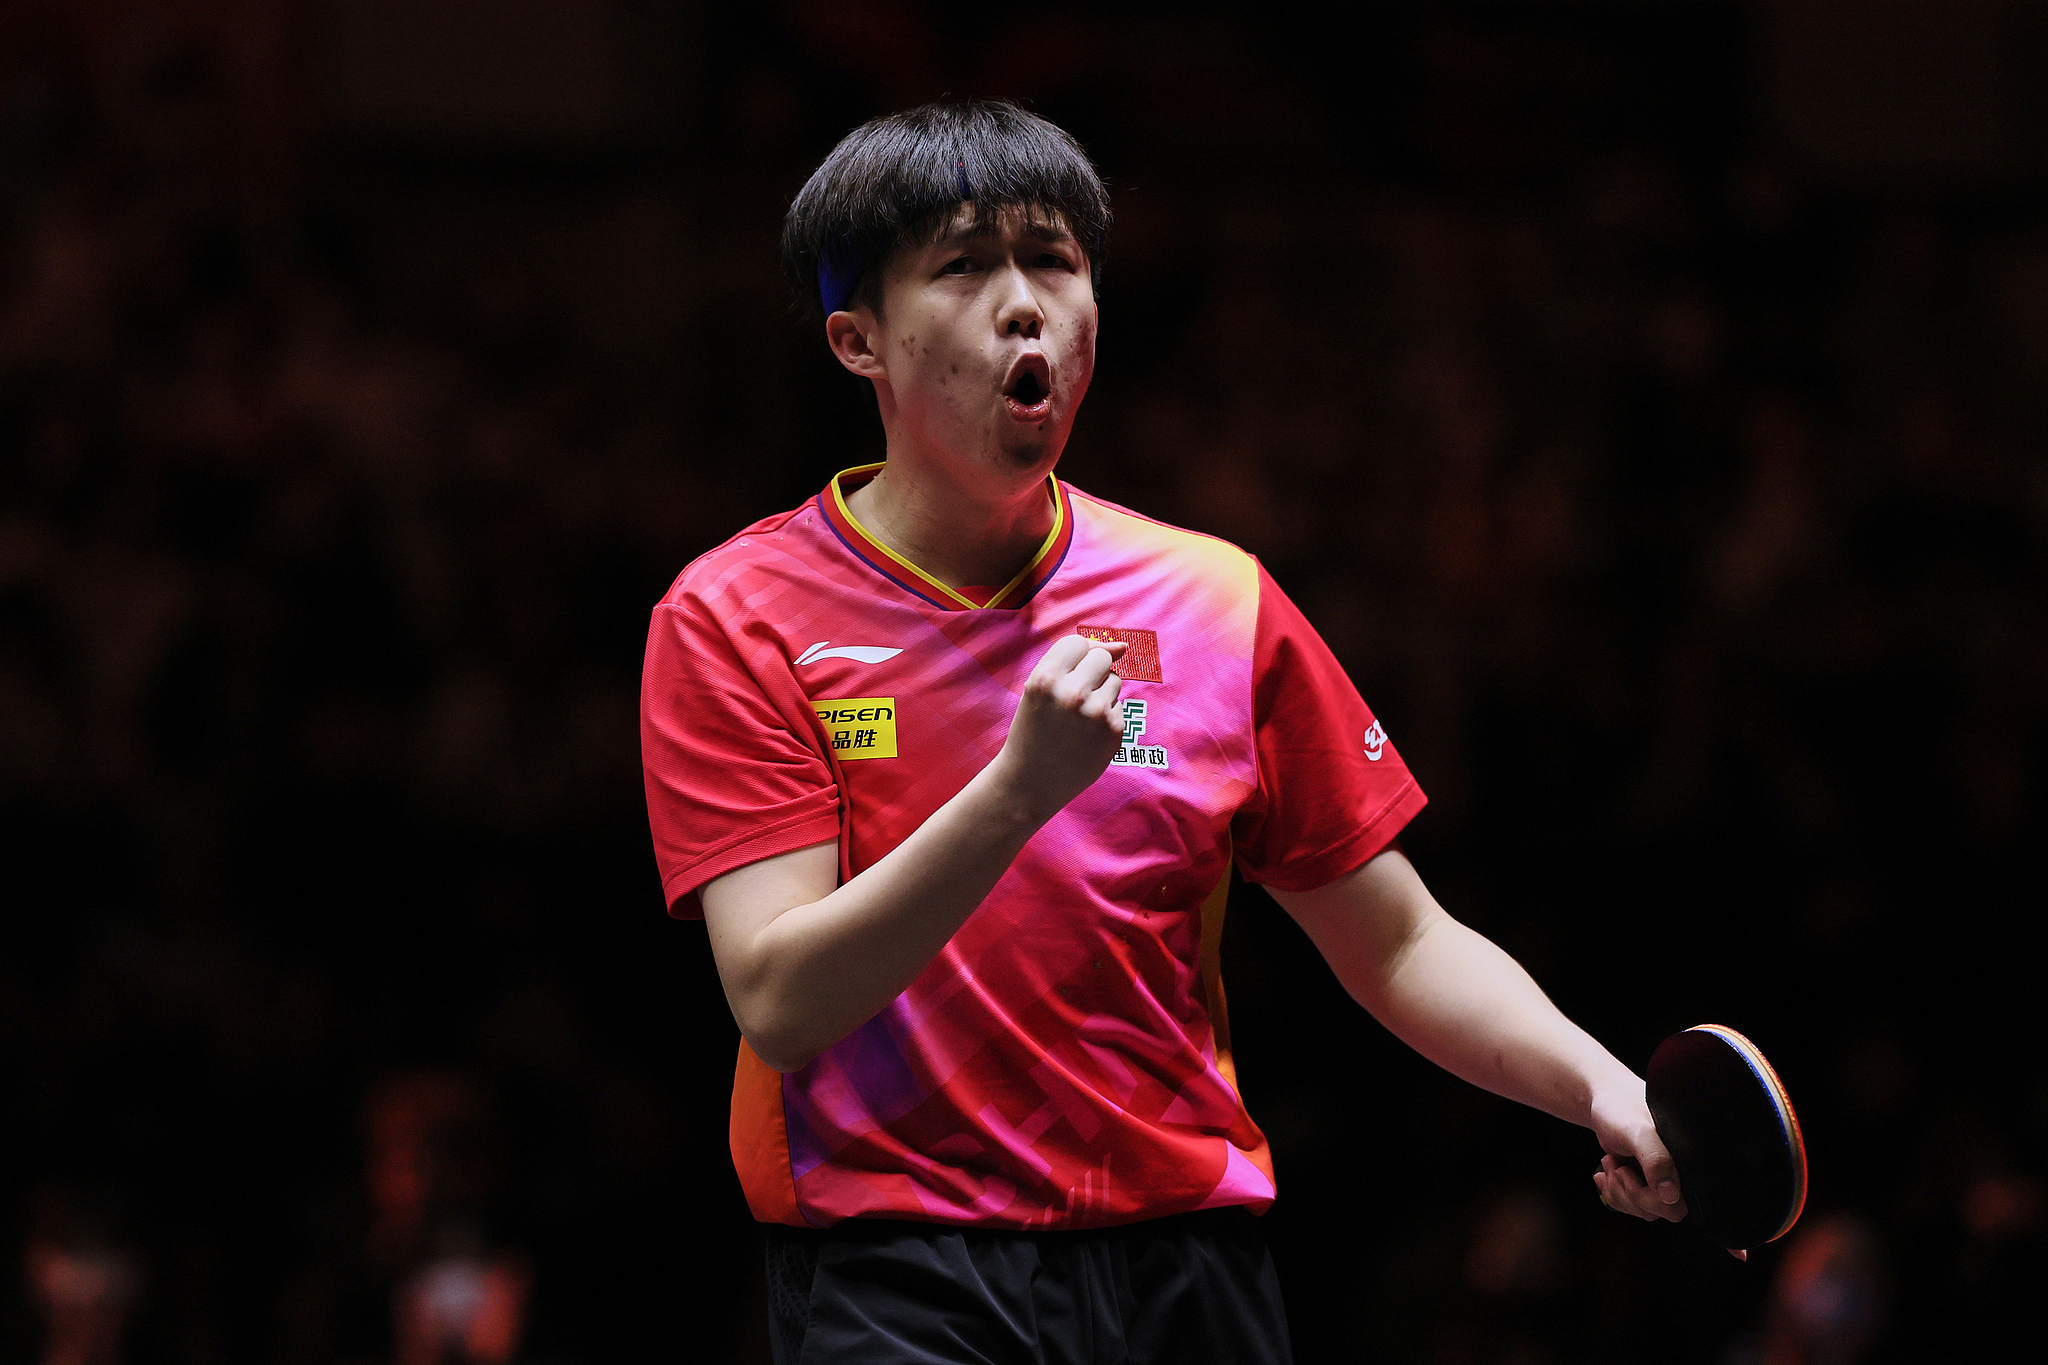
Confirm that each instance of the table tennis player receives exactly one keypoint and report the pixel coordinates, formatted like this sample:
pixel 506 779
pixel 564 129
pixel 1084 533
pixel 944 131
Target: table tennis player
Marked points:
pixel 955 760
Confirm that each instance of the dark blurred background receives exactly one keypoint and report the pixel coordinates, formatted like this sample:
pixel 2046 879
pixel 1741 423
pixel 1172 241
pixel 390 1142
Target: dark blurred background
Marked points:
pixel 1648 401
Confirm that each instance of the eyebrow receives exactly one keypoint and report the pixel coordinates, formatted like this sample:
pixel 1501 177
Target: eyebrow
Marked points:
pixel 1038 232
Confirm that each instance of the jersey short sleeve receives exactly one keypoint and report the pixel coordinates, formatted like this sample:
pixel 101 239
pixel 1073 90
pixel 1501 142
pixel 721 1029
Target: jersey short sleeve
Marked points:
pixel 734 767
pixel 1332 791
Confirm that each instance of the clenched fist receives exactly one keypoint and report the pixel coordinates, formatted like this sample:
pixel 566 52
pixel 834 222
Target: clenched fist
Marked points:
pixel 1067 725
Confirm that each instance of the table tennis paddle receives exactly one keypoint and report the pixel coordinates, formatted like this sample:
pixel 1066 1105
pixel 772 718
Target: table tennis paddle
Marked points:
pixel 1724 1116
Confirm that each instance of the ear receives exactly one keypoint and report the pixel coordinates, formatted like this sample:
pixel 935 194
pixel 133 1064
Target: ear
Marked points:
pixel 851 336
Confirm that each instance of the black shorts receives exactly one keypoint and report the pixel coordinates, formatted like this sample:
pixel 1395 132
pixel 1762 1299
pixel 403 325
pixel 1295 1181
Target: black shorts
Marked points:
pixel 1193 1289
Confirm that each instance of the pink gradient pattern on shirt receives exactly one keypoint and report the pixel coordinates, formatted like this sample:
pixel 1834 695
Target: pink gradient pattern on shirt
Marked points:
pixel 1056 1064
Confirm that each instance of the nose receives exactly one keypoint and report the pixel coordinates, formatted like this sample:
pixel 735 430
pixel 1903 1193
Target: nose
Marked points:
pixel 1020 314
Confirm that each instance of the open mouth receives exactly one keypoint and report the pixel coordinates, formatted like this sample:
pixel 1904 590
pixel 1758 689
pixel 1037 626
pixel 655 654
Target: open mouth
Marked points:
pixel 1029 392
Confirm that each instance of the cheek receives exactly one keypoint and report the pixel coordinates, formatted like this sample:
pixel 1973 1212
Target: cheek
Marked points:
pixel 1084 342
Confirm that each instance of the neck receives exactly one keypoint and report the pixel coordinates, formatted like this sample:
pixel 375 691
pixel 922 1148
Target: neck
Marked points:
pixel 962 535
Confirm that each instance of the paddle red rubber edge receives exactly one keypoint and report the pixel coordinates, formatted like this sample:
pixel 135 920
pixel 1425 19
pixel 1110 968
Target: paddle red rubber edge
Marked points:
pixel 1788 1119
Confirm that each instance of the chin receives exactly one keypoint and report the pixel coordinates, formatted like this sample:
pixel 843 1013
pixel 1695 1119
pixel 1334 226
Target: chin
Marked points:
pixel 1032 453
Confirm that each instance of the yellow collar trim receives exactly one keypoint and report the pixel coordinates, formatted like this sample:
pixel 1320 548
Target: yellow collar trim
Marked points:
pixel 1059 521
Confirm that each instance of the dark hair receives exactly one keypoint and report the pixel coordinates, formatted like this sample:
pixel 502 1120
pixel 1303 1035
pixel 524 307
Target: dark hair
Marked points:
pixel 899 180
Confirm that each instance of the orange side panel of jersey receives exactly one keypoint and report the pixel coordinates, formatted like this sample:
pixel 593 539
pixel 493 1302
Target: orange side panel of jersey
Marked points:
pixel 1244 1136
pixel 760 1141
pixel 1213 910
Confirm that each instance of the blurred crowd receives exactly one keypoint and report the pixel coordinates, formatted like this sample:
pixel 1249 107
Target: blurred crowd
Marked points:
pixel 1680 511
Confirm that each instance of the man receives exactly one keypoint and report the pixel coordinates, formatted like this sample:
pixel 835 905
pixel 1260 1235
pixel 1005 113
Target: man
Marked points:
pixel 955 760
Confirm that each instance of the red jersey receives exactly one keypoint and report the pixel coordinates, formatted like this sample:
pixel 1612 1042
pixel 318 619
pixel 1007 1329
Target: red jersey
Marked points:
pixel 1065 1060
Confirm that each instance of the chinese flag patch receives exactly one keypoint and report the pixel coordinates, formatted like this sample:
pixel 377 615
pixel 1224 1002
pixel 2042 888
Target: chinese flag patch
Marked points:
pixel 1141 661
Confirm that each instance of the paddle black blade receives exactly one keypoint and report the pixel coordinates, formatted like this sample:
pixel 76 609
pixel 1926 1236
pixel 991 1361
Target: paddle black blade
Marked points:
pixel 1729 1125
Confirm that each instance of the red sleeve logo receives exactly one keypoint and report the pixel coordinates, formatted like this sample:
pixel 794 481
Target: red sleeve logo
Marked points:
pixel 1375 741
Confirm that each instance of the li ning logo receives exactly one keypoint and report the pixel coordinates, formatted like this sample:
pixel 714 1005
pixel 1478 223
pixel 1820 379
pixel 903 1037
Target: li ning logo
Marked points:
pixel 1131 753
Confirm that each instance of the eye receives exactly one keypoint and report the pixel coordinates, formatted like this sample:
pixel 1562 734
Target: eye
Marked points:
pixel 1052 260
pixel 959 265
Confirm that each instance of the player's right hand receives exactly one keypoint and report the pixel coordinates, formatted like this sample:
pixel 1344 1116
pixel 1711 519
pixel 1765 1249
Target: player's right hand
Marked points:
pixel 1067 725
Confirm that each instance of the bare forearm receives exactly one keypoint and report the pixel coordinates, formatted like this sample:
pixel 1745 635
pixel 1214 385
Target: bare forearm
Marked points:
pixel 1459 1000
pixel 806 978
pixel 1452 995
pixel 806 961
pixel 1456 998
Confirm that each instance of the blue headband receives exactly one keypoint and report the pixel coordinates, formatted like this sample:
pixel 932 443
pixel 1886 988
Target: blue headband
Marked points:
pixel 839 271
pixel 837 275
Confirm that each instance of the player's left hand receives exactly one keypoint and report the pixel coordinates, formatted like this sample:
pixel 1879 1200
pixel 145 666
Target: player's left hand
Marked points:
pixel 1637 1175
pixel 1648 1188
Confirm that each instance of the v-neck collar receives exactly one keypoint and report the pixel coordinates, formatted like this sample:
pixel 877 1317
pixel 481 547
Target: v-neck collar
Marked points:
pixel 906 575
